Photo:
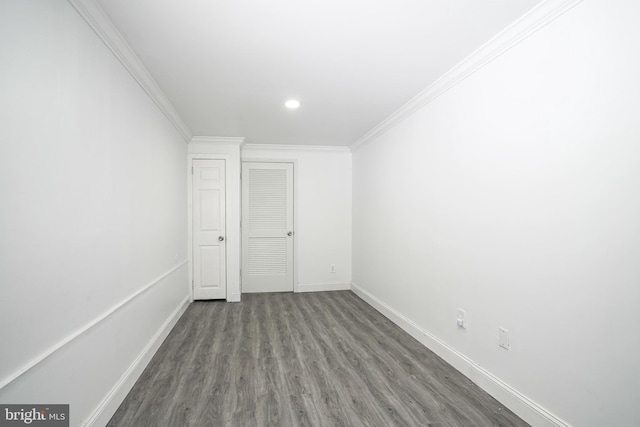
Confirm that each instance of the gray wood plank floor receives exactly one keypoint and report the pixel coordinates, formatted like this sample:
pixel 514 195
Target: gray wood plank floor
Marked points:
pixel 316 359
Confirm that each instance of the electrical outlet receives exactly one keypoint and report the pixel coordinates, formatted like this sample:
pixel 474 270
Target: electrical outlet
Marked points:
pixel 503 338
pixel 332 268
pixel 461 320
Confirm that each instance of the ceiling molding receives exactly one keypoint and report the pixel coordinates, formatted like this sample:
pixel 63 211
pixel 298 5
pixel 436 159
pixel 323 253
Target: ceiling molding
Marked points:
pixel 95 17
pixel 528 24
pixel 238 140
pixel 283 147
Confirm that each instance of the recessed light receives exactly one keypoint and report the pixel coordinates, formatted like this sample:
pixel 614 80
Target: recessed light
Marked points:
pixel 292 103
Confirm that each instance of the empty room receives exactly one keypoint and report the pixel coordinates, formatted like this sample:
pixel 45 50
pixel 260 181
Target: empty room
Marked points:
pixel 358 213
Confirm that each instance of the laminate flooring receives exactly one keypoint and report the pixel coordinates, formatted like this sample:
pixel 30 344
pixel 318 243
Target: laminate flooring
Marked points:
pixel 308 359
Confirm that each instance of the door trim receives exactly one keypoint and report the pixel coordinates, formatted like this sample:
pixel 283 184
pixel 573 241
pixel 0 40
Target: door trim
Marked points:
pixel 295 211
pixel 190 159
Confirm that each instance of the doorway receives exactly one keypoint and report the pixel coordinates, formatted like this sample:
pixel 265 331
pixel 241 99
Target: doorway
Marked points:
pixel 209 229
pixel 267 227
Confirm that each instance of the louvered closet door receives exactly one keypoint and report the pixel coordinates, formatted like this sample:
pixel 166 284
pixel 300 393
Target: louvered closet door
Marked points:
pixel 267 227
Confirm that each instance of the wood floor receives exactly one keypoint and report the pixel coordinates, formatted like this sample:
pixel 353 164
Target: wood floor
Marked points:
pixel 317 359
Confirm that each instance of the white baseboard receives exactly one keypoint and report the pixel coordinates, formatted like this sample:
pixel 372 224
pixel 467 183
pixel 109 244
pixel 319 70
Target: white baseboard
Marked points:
pixel 521 405
pixel 113 399
pixel 322 287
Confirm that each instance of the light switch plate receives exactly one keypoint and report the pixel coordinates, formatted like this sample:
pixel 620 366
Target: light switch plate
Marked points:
pixel 503 338
pixel 461 320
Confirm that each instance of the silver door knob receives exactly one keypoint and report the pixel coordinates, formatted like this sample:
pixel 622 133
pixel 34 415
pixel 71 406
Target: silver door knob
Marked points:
pixel 221 238
pixel 290 233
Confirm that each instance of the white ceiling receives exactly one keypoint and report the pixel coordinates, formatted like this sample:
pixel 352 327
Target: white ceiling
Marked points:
pixel 228 66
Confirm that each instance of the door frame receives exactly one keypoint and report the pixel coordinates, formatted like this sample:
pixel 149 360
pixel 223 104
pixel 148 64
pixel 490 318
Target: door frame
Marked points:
pixel 295 212
pixel 227 173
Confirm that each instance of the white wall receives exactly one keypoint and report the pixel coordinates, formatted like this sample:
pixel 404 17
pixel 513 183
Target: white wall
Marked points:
pixel 93 219
pixel 515 196
pixel 323 229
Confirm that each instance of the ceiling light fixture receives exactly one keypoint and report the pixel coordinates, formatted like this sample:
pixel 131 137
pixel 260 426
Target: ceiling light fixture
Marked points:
pixel 292 104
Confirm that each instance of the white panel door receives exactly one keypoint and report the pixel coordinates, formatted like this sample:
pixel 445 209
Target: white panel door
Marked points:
pixel 267 227
pixel 209 258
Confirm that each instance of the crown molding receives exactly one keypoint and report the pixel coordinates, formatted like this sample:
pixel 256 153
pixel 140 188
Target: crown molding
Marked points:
pixel 100 23
pixel 528 24
pixel 284 147
pixel 238 140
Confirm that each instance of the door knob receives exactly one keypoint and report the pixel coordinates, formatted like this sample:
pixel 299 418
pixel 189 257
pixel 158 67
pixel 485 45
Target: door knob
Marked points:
pixel 221 238
pixel 290 233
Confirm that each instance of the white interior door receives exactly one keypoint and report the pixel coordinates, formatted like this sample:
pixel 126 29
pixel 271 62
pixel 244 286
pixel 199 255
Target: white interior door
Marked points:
pixel 267 227
pixel 209 258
